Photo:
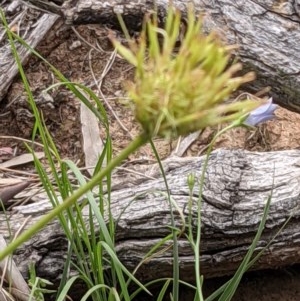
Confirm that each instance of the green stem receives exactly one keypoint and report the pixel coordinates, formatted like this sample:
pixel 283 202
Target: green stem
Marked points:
pixel 198 235
pixel 133 146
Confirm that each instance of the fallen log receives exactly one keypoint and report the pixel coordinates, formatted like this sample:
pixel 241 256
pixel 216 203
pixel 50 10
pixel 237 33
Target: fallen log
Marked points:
pixel 237 186
pixel 8 66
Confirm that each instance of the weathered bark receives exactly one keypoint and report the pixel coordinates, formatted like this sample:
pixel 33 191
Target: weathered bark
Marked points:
pixel 266 31
pixel 8 66
pixel 236 189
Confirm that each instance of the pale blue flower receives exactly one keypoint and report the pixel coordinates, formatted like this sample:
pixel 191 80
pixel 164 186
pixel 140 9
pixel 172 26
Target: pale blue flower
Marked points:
pixel 263 113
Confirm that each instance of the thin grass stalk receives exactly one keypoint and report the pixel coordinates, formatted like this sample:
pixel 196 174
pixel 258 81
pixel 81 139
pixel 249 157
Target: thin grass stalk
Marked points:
pixel 71 223
pixel 232 284
pixel 231 287
pixel 196 243
pixel 163 290
pixel 156 281
pixel 219 291
pixel 82 190
pixel 133 146
pixel 88 294
pixel 92 248
pixel 62 296
pixel 175 290
pixel 66 271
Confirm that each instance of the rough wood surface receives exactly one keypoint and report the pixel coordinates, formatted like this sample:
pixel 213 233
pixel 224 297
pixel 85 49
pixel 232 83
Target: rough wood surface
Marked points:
pixel 237 186
pixel 266 31
pixel 8 67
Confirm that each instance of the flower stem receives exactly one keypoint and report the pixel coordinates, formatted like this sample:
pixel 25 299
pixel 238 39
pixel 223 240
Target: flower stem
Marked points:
pixel 69 201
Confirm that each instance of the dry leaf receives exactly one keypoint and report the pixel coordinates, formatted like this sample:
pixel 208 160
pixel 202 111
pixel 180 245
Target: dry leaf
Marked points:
pixel 22 159
pixel 8 192
pixel 92 143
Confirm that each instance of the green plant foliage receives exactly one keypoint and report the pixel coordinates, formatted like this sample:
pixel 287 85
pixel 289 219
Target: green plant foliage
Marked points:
pixel 38 285
pixel 175 94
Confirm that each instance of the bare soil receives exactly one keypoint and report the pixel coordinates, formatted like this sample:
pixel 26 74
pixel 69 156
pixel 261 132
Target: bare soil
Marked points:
pixel 82 54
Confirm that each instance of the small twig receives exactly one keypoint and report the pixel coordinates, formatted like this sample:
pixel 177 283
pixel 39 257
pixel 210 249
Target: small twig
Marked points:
pixel 98 45
pixel 23 201
pixel 135 173
pixel 79 36
pixel 21 172
pixel 12 23
pixel 99 85
pixel 20 22
pixel 183 145
pixel 22 139
pixel 10 271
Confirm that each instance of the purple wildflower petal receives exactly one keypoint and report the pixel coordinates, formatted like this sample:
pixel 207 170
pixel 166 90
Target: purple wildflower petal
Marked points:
pixel 261 114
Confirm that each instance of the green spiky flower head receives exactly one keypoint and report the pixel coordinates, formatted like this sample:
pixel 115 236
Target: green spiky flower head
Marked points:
pixel 178 91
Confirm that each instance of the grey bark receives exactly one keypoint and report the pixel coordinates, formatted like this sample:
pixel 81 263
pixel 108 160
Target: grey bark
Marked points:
pixel 237 186
pixel 8 66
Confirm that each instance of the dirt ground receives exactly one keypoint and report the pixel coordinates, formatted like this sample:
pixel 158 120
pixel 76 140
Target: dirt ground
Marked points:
pixel 70 51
